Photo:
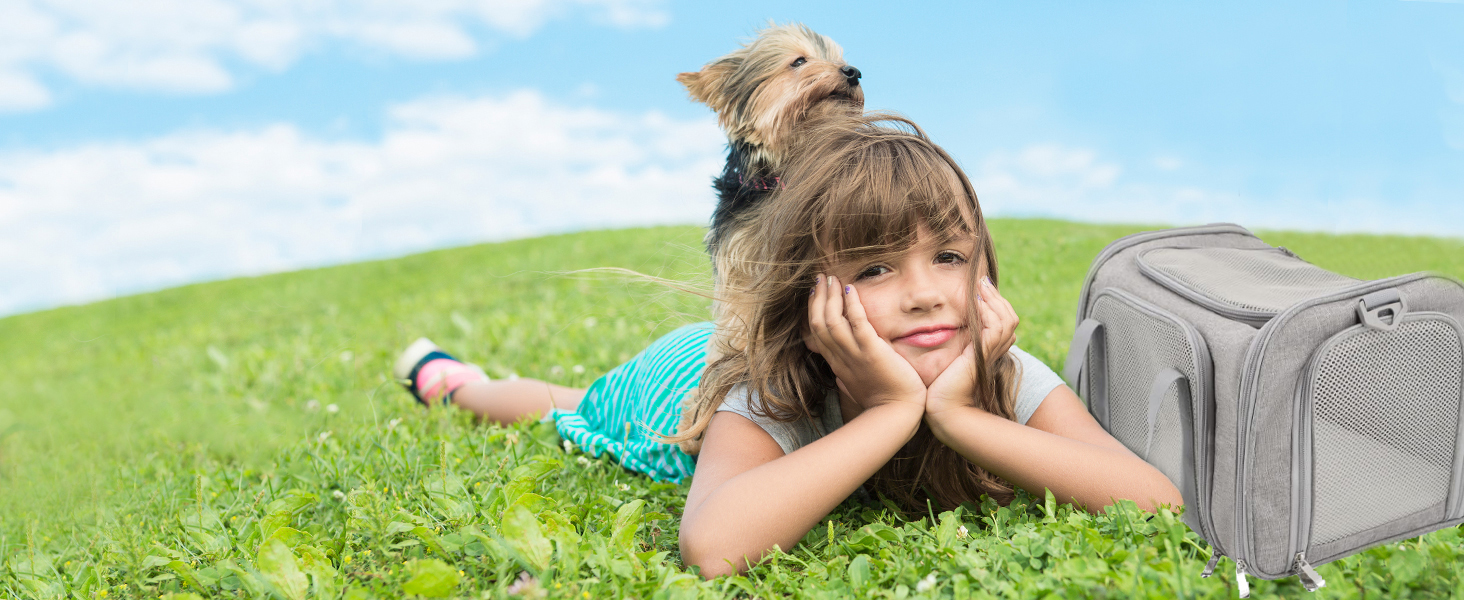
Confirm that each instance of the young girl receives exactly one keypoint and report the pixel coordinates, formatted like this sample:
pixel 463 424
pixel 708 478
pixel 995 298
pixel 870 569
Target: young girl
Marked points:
pixel 861 358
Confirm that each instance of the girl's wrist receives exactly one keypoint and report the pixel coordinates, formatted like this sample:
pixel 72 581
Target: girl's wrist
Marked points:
pixel 942 422
pixel 896 413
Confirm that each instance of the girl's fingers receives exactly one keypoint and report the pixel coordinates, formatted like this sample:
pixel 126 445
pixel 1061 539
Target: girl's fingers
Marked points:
pixel 835 323
pixel 818 322
pixel 998 322
pixel 999 300
pixel 815 308
pixel 859 325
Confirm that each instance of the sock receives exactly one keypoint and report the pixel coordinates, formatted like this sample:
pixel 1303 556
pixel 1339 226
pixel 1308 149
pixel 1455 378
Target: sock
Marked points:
pixel 439 375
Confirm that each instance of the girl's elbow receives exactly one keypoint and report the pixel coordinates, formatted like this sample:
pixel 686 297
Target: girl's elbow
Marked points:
pixel 696 553
pixel 1167 496
pixel 712 569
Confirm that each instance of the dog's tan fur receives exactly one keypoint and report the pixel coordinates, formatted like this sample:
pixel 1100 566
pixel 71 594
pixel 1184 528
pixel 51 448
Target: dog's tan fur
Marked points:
pixel 761 99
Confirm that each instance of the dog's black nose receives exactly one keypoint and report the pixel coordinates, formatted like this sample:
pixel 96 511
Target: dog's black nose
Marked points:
pixel 852 73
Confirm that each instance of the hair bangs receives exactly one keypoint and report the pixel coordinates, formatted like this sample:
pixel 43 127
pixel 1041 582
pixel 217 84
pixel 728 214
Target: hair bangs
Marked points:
pixel 876 205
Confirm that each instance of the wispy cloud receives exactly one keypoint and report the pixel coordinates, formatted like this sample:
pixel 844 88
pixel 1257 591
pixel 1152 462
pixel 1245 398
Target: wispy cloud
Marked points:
pixel 97 220
pixel 196 46
pixel 1079 184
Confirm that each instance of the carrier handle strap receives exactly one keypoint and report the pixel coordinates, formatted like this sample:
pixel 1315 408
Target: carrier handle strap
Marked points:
pixel 1187 487
pixel 1088 330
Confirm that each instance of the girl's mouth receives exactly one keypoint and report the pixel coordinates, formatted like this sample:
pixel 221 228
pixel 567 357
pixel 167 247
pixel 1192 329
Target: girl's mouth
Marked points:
pixel 928 339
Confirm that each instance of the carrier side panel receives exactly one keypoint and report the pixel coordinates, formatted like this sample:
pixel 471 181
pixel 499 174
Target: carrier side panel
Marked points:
pixel 1272 431
pixel 1227 341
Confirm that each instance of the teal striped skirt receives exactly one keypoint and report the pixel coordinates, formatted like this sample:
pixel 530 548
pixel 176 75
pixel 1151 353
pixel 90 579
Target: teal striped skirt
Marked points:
pixel 626 411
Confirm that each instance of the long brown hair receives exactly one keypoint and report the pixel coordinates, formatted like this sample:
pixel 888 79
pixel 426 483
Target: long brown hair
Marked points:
pixel 858 188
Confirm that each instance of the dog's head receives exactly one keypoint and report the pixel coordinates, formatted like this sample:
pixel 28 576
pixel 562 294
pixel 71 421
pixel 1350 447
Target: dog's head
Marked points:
pixel 764 90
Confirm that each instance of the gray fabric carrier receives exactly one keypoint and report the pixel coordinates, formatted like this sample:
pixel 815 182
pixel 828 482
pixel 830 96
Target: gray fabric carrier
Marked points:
pixel 1305 416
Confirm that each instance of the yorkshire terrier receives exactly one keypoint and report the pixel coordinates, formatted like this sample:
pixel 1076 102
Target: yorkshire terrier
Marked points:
pixel 763 93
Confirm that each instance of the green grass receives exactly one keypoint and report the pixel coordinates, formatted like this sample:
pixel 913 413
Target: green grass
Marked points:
pixel 183 441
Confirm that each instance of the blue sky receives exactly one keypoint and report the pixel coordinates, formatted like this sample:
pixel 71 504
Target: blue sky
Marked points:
pixel 167 141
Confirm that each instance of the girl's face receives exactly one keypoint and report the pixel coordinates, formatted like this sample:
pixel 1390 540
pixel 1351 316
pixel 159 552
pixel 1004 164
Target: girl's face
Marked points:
pixel 917 301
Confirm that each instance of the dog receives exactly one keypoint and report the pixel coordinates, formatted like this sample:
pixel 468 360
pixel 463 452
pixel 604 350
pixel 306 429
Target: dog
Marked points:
pixel 762 92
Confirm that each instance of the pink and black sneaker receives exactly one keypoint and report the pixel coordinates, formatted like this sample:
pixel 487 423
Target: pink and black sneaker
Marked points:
pixel 432 375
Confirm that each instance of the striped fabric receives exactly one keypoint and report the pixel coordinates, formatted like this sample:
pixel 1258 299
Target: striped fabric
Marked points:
pixel 625 411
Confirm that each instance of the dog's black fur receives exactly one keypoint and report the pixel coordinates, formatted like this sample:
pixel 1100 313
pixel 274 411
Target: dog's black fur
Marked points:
pixel 740 187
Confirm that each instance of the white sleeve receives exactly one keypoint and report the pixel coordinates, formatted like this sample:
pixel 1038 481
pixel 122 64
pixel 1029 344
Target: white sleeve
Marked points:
pixel 1037 381
pixel 790 436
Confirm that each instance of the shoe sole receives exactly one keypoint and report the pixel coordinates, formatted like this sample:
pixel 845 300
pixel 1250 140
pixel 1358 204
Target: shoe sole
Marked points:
pixel 411 356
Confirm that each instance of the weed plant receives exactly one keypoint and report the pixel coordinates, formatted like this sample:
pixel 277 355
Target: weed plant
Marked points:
pixel 241 439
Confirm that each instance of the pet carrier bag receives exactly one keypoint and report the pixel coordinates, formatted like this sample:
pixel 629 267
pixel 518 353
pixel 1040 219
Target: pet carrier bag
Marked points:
pixel 1304 415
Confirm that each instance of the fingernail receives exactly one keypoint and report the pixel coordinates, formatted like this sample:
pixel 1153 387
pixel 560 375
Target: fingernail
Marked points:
pixel 986 280
pixel 813 290
pixel 847 288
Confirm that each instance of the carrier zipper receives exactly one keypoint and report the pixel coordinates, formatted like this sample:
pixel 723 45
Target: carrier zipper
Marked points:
pixel 1204 436
pixel 1210 566
pixel 1302 488
pixel 1308 576
pixel 1240 583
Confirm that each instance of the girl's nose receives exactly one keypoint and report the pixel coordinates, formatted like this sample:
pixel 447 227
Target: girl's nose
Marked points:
pixel 922 295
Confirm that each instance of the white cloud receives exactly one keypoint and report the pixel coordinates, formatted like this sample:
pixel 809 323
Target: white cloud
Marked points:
pixel 1077 184
pixel 19 91
pixel 97 220
pixel 1168 163
pixel 194 46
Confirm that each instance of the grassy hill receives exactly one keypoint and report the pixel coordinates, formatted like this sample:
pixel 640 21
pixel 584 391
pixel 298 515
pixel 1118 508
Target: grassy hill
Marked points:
pixel 241 438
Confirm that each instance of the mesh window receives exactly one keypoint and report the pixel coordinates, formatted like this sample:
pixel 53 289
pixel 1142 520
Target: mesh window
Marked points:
pixel 1138 346
pixel 1385 408
pixel 1263 280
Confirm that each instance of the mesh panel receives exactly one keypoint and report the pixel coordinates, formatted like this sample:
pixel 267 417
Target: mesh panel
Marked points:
pixel 1138 346
pixel 1385 409
pixel 1263 280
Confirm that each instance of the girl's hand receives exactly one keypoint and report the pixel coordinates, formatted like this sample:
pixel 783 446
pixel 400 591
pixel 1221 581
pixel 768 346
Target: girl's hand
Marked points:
pixel 956 385
pixel 998 323
pixel 866 365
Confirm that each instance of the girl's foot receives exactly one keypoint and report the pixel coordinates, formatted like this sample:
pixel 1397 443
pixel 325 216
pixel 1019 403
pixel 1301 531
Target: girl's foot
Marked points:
pixel 432 375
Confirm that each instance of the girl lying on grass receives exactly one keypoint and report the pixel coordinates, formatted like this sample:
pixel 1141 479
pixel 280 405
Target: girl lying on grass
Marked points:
pixel 860 361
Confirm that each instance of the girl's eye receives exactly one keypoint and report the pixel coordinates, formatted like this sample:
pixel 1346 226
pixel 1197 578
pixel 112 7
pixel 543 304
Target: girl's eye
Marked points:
pixel 874 271
pixel 798 62
pixel 951 258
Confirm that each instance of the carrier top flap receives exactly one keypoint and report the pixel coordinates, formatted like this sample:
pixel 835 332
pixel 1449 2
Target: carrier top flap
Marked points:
pixel 1246 284
pixel 1179 236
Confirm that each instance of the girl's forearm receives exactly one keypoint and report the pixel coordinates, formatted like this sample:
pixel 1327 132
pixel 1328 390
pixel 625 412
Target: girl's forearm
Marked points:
pixel 778 502
pixel 1089 476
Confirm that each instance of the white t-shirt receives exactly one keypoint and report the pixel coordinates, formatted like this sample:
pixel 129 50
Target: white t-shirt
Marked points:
pixel 1037 380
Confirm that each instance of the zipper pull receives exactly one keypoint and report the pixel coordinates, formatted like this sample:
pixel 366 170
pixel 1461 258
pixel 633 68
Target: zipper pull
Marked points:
pixel 1240 582
pixel 1308 576
pixel 1210 566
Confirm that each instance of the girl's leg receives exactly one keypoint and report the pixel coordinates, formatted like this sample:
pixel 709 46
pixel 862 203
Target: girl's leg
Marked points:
pixel 508 400
pixel 431 375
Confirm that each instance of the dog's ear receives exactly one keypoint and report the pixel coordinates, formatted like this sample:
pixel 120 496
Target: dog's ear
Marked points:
pixel 705 85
